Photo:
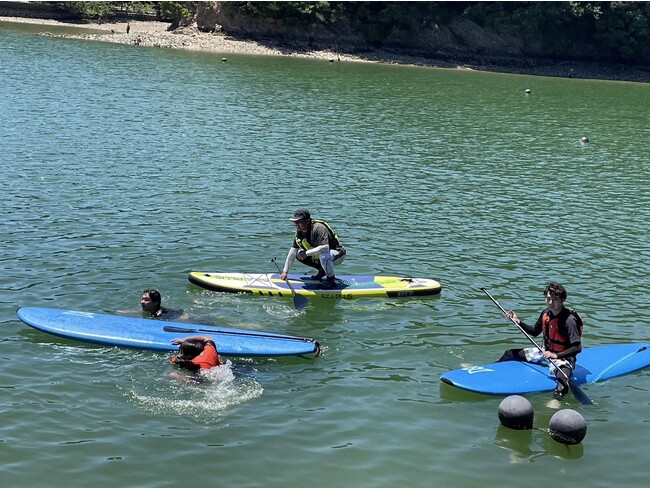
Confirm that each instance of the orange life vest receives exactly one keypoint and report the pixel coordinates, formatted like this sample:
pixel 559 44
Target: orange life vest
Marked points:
pixel 209 358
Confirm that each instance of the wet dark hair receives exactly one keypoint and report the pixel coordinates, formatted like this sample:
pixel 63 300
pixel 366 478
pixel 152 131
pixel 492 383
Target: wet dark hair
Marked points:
pixel 188 350
pixel 153 294
pixel 556 290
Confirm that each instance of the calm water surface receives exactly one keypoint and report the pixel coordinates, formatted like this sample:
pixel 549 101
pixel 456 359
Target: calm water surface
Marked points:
pixel 125 168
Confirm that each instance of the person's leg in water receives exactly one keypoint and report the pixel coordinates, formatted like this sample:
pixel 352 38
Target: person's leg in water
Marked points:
pixel 562 387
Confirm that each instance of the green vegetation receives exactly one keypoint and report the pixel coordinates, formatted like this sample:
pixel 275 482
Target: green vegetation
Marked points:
pixel 106 9
pixel 592 31
pixel 290 14
pixel 175 11
pixel 606 31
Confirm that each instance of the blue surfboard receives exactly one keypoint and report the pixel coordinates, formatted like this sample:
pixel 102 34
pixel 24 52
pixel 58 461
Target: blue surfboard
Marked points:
pixel 513 377
pixel 156 335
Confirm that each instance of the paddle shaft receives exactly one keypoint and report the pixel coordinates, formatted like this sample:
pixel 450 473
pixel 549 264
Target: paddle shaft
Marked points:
pixel 187 330
pixel 298 300
pixel 577 391
pixel 533 341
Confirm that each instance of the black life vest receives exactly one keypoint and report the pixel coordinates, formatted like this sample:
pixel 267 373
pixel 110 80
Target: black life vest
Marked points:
pixel 303 242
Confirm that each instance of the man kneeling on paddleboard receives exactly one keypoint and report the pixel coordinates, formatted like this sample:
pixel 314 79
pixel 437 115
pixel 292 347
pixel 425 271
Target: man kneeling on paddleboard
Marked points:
pixel 562 331
pixel 315 244
pixel 196 353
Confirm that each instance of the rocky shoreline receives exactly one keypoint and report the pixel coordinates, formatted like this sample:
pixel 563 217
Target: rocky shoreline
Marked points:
pixel 156 35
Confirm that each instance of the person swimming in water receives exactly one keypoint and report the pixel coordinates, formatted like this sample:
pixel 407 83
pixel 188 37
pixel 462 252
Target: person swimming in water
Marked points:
pixel 151 302
pixel 196 353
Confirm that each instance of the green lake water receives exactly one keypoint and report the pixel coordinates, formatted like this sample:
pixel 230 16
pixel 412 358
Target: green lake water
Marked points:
pixel 124 168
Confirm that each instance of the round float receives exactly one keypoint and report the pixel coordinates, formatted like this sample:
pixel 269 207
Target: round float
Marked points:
pixel 516 412
pixel 568 427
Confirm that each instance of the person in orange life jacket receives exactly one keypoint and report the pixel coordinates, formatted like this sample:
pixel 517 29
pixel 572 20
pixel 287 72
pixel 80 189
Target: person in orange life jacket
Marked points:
pixel 196 353
pixel 315 244
pixel 151 303
pixel 562 331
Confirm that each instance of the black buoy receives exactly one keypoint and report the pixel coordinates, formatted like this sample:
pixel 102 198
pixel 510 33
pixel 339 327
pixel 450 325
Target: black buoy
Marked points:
pixel 568 427
pixel 516 412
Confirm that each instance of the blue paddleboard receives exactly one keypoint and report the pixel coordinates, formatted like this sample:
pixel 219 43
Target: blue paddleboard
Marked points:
pixel 513 377
pixel 156 335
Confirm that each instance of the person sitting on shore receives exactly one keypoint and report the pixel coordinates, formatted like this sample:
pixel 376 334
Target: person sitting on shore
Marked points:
pixel 196 353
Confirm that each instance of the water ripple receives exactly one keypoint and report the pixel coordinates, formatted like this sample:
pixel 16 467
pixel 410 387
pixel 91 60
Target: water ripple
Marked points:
pixel 125 168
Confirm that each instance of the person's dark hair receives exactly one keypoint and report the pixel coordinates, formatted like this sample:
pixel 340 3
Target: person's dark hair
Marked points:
pixel 556 290
pixel 153 294
pixel 188 350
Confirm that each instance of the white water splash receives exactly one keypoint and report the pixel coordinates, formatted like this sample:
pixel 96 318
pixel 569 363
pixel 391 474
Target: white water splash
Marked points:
pixel 209 393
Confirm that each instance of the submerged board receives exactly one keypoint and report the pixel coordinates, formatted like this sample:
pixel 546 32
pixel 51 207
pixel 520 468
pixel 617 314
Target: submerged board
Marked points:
pixel 157 335
pixel 513 377
pixel 270 284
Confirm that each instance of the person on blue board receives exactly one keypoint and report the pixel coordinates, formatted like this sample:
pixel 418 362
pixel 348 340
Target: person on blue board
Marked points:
pixel 562 337
pixel 316 245
pixel 196 353
pixel 151 302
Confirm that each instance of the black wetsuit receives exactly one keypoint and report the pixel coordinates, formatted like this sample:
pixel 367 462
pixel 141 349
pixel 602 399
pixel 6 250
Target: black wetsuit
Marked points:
pixel 167 314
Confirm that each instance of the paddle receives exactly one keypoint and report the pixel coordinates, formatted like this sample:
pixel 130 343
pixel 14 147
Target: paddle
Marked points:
pixel 299 301
pixel 188 330
pixel 577 391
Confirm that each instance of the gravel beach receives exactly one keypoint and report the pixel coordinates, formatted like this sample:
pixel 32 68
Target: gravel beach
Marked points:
pixel 156 35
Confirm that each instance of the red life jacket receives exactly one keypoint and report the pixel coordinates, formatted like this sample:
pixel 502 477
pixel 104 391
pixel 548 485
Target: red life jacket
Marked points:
pixel 554 329
pixel 209 358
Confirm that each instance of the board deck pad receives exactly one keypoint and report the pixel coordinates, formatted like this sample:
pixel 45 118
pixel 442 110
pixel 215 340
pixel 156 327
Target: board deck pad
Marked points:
pixel 156 335
pixel 513 377
pixel 270 284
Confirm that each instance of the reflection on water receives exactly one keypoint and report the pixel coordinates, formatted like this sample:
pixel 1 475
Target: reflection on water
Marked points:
pixel 527 446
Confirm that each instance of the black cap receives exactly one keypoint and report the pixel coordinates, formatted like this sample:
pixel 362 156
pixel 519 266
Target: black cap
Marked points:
pixel 301 213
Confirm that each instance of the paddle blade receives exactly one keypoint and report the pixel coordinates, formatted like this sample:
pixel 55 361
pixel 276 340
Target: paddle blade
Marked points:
pixel 579 394
pixel 300 301
pixel 180 330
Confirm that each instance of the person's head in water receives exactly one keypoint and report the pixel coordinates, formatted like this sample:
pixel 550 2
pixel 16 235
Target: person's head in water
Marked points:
pixel 150 301
pixel 188 350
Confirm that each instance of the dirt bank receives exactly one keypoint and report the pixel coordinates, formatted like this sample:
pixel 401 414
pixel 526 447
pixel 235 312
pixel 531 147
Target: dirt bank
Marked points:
pixel 155 34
